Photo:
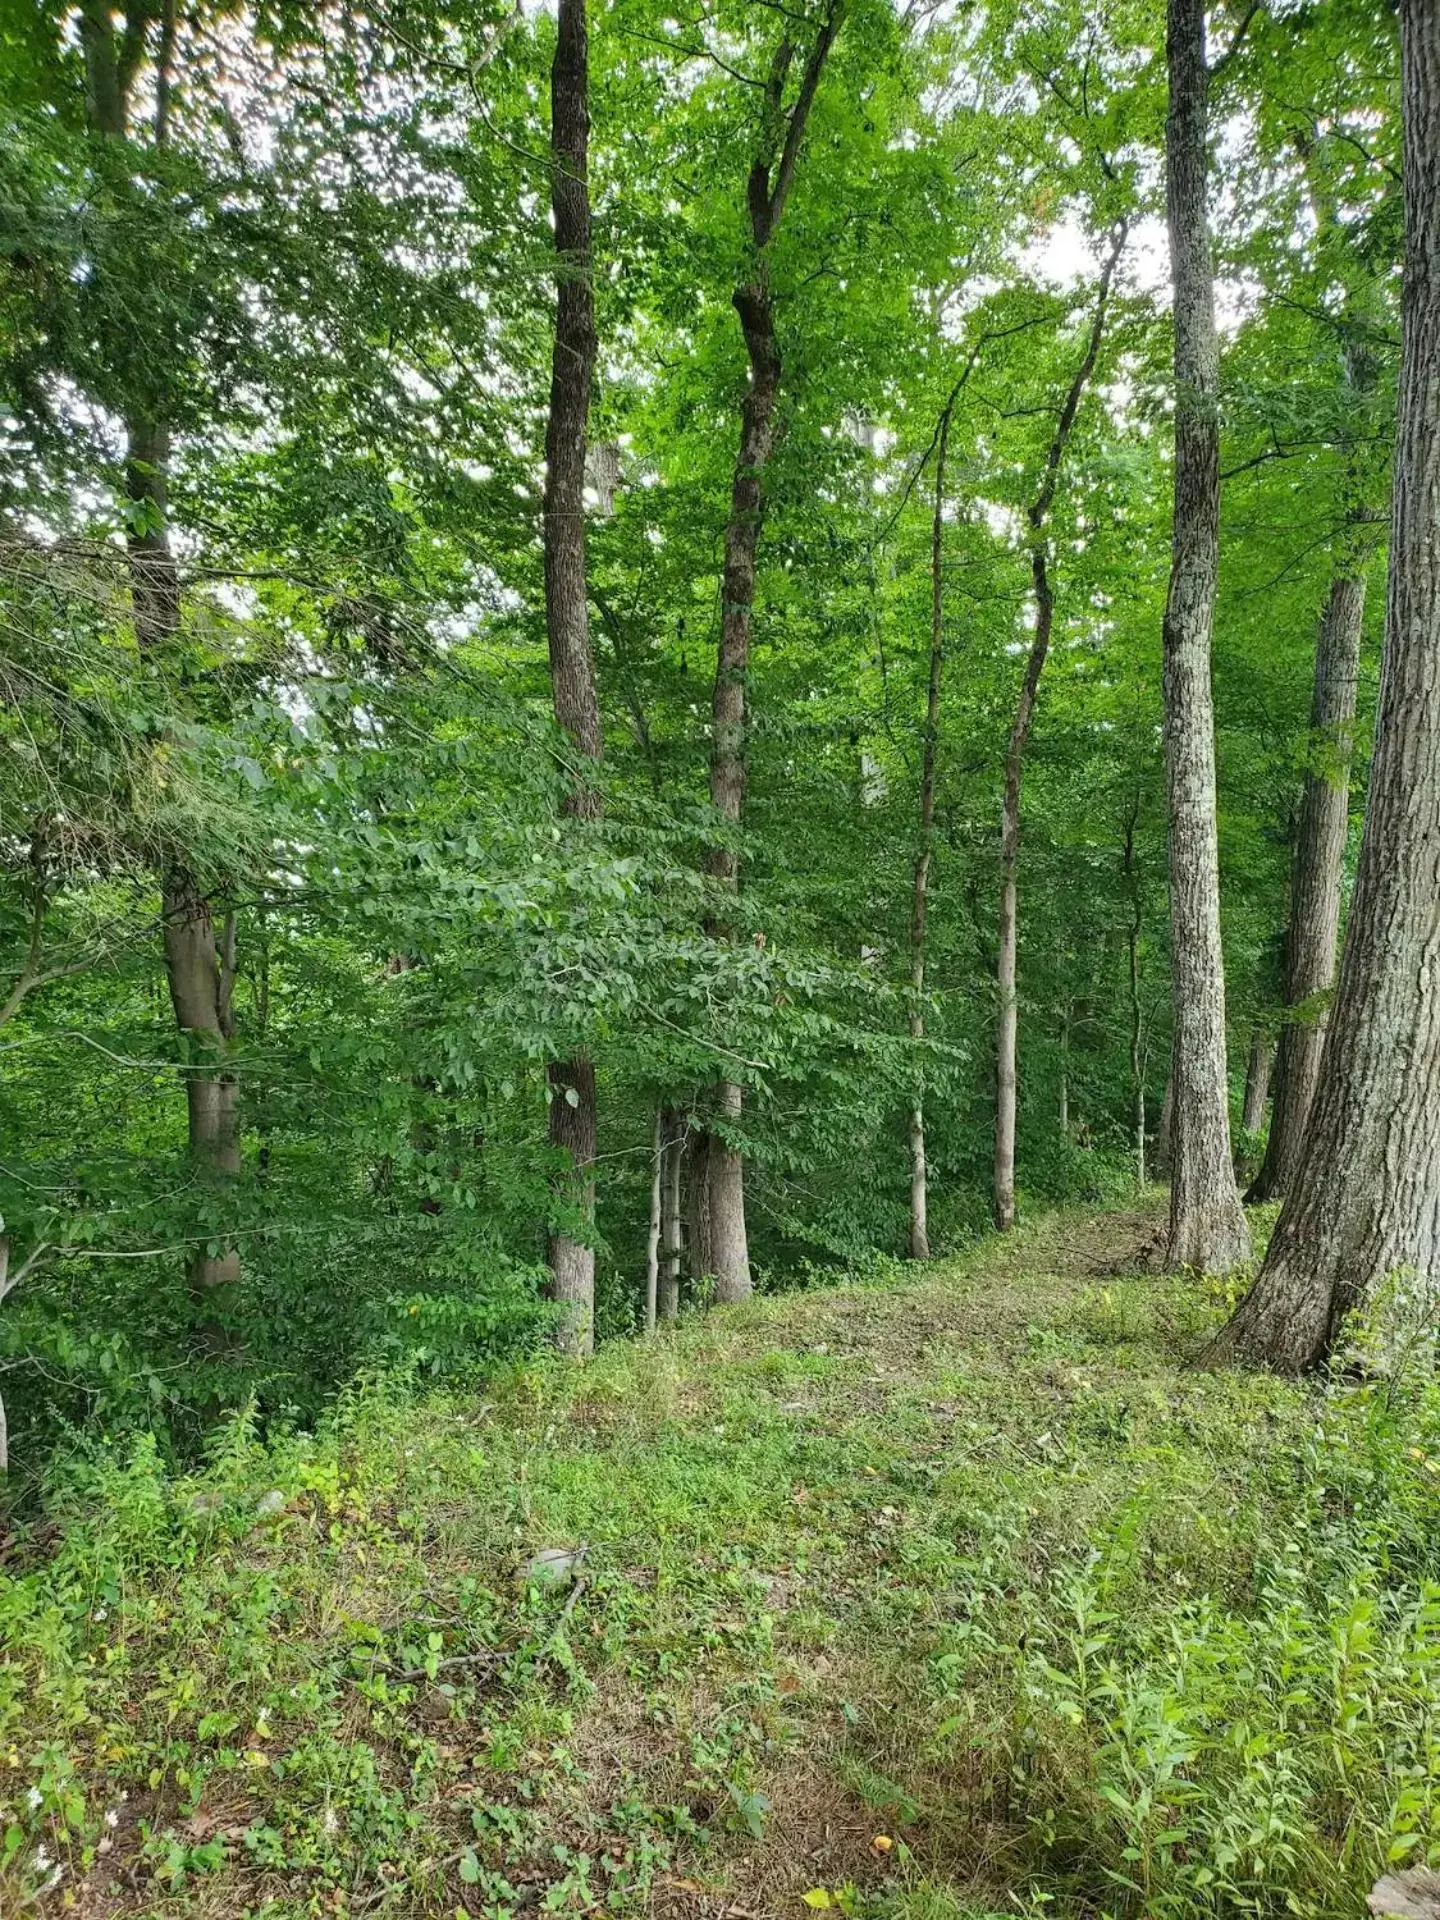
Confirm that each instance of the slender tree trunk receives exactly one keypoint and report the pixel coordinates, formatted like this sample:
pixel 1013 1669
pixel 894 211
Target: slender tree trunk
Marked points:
pixel 1008 1023
pixel 1365 1203
pixel 200 972
pixel 919 1182
pixel 1257 1083
pixel 1207 1223
pixel 698 1189
pixel 572 665
pixel 725 1248
pixel 1313 931
pixel 674 1128
pixel 652 1236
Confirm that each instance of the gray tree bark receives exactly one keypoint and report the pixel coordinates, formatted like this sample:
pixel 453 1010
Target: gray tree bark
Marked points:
pixel 1313 929
pixel 675 1127
pixel 1207 1223
pixel 1008 1019
pixel 1365 1203
pixel 724 1246
pixel 572 664
pixel 657 1208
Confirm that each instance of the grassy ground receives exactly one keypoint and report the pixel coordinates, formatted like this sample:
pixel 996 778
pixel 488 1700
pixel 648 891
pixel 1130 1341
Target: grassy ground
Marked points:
pixel 955 1596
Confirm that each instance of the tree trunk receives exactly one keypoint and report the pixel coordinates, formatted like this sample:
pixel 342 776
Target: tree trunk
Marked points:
pixel 1365 1204
pixel 1137 1013
pixel 199 974
pixel 1008 1021
pixel 572 665
pixel 1312 935
pixel 919 1180
pixel 1207 1223
pixel 726 1249
pixel 674 1128
pixel 652 1235
pixel 1257 1083
pixel 1165 1130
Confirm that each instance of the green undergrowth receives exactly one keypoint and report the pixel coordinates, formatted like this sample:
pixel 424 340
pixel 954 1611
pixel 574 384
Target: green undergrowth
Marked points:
pixel 923 1600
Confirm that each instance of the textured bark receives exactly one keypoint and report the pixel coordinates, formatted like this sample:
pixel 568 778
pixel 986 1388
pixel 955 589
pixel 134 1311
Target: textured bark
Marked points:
pixel 919 893
pixel 1313 930
pixel 1008 1014
pixel 1207 1223
pixel 1165 1130
pixel 1365 1204
pixel 674 1129
pixel 1257 1083
pixel 572 665
pixel 725 1251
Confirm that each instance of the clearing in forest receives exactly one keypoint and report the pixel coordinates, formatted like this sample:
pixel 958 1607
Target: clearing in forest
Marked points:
pixel 956 1594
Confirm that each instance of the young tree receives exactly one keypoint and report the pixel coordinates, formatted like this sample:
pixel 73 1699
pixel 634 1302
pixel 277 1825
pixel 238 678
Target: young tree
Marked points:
pixel 721 1251
pixel 572 666
pixel 1038 515
pixel 1207 1223
pixel 199 959
pixel 920 884
pixel 1365 1204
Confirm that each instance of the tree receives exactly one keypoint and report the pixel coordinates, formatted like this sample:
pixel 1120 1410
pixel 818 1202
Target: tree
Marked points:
pixel 721 1251
pixel 1365 1204
pixel 1037 515
pixel 572 668
pixel 1207 1224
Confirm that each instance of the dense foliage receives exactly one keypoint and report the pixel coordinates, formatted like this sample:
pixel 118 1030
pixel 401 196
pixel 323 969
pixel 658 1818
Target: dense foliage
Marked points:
pixel 314 249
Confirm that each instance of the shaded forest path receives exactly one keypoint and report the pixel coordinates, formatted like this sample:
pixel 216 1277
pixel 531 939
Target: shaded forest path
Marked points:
pixel 841 1554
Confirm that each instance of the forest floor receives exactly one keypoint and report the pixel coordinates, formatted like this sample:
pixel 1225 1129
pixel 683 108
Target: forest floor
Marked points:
pixel 958 1594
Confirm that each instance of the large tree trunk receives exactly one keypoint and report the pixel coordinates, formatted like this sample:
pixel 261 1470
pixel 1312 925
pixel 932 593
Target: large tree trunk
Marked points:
pixel 1207 1223
pixel 572 665
pixel 726 1249
pixel 1365 1204
pixel 1313 932
pixel 1008 1019
pixel 919 895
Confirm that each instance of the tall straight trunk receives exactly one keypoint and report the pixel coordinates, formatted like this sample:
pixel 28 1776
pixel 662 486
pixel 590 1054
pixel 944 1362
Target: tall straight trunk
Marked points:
pixel 1257 1082
pixel 1313 931
pixel 652 1236
pixel 919 1179
pixel 1008 1012
pixel 725 1248
pixel 199 969
pixel 1365 1203
pixel 674 1129
pixel 572 665
pixel 1207 1223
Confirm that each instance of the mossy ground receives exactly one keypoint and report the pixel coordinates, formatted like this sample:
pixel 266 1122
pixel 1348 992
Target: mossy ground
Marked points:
pixel 932 1598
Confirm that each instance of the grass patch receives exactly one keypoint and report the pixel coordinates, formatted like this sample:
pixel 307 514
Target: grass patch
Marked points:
pixel 939 1598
